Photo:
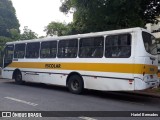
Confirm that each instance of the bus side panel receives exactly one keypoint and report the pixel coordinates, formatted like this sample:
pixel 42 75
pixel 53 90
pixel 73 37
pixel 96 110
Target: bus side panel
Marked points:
pixel 7 74
pixel 109 81
pixel 44 76
pixel 141 85
pixel 55 79
pixel 108 84
pixel 147 77
pixel 150 69
pixel 30 76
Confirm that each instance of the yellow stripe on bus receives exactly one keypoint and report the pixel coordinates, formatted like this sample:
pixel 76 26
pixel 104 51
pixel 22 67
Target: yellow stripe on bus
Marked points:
pixel 99 67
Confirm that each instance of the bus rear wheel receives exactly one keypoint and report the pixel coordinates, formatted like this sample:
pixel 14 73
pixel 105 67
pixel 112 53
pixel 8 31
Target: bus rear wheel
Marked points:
pixel 75 84
pixel 18 78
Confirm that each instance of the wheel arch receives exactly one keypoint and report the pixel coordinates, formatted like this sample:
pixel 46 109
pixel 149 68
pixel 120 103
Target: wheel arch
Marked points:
pixel 15 72
pixel 74 73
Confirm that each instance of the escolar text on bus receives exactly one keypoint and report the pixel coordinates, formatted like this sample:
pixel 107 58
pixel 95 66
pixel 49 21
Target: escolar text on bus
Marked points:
pixel 52 65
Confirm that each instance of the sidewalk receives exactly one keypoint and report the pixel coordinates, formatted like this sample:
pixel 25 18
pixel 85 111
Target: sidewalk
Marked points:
pixel 149 92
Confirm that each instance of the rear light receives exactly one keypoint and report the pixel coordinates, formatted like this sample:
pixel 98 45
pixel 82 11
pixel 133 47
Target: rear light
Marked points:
pixel 130 82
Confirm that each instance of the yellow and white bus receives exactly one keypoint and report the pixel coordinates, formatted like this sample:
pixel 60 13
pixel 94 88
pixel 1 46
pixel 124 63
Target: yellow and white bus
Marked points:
pixel 118 60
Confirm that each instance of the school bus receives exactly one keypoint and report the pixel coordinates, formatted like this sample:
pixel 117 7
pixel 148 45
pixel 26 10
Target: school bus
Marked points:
pixel 118 60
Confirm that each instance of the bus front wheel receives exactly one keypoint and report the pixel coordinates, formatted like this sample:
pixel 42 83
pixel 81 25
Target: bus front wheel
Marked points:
pixel 75 84
pixel 18 78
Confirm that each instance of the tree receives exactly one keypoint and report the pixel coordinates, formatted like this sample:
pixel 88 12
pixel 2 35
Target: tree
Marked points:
pixel 8 19
pixel 56 28
pixel 15 35
pixel 3 40
pixel 41 37
pixel 152 10
pixel 28 34
pixel 59 29
pixel 100 15
pixel 9 24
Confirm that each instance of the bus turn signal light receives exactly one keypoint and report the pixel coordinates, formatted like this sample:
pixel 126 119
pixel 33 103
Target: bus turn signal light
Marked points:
pixel 130 82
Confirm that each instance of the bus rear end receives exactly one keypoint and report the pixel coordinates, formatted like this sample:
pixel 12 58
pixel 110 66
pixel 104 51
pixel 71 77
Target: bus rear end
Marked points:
pixel 146 62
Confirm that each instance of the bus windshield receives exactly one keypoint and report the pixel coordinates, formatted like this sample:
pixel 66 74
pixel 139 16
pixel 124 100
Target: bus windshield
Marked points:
pixel 149 43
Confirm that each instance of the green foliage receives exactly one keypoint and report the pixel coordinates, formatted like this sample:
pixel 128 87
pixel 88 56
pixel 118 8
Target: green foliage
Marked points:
pixel 28 34
pixel 102 15
pixel 41 37
pixel 151 9
pixel 8 19
pixel 3 40
pixel 15 35
pixel 59 29
pixel 56 28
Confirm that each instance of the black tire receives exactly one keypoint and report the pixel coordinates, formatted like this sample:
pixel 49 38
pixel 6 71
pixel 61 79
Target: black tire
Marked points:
pixel 75 84
pixel 18 78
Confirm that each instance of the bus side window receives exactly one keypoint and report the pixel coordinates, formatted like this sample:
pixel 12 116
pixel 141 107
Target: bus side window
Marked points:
pixel 118 46
pixel 48 49
pixel 19 51
pixel 125 46
pixel 32 50
pixel 68 48
pixel 9 51
pixel 91 47
pixel 8 54
pixel 149 43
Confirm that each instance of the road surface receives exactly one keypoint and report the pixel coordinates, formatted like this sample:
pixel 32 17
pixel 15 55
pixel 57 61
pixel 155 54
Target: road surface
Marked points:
pixel 40 97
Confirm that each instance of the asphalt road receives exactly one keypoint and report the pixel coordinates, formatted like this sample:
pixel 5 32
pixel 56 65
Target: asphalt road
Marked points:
pixel 40 97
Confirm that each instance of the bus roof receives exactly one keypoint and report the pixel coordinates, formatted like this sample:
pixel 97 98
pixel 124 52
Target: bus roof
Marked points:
pixel 80 35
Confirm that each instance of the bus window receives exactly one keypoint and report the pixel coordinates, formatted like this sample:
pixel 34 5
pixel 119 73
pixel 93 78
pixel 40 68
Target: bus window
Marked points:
pixel 67 48
pixel 91 47
pixel 48 49
pixel 118 46
pixel 32 50
pixel 8 55
pixel 149 43
pixel 19 51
